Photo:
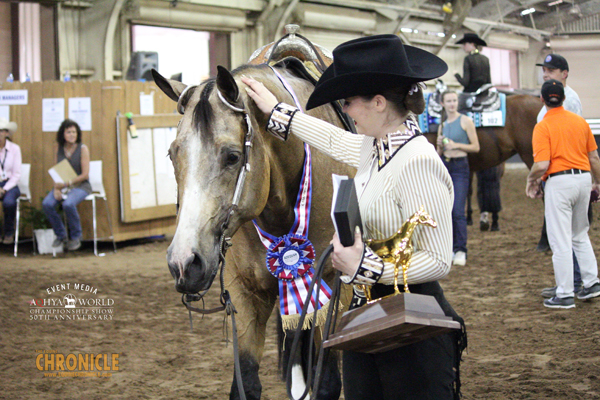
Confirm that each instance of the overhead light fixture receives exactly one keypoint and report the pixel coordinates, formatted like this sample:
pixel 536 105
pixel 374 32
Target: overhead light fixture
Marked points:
pixel 441 34
pixel 575 10
pixel 528 11
pixel 555 3
pixel 406 30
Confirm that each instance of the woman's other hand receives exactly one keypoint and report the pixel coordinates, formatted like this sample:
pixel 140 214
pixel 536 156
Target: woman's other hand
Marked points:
pixel 347 259
pixel 264 99
pixel 450 144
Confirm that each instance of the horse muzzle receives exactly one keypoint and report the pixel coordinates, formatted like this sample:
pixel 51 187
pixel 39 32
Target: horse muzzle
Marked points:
pixel 191 273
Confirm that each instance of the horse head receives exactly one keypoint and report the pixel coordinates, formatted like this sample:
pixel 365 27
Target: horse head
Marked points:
pixel 208 155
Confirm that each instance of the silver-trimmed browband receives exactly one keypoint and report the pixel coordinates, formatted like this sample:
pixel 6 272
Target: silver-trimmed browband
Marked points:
pixel 231 106
pixel 181 110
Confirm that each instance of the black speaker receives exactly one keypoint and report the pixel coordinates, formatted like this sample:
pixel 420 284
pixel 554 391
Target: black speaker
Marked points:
pixel 141 65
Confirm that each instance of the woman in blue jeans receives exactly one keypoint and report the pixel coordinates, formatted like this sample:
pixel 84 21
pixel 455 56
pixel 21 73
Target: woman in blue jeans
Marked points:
pixel 456 138
pixel 71 193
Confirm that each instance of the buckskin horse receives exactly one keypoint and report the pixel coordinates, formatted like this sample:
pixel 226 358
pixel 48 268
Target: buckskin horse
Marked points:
pixel 208 155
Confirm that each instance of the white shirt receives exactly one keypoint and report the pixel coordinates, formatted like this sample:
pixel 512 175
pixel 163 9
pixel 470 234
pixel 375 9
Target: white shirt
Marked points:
pixel 571 103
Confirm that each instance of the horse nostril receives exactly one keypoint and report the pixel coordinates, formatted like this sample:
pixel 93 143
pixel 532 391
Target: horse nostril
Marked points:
pixel 194 267
pixel 173 270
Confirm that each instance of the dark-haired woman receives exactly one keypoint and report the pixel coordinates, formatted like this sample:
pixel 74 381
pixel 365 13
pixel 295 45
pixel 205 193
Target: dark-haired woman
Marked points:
pixel 69 193
pixel 398 172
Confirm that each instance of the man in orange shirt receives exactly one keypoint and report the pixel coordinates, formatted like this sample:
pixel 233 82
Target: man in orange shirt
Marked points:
pixel 564 153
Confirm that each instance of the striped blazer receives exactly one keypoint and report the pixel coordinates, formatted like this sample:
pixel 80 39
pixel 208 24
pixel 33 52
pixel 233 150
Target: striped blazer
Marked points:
pixel 409 177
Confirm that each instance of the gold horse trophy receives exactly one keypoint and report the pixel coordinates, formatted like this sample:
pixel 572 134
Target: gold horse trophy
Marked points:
pixel 401 318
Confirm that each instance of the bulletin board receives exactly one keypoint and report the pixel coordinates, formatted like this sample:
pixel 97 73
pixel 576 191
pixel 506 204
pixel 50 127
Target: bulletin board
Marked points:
pixel 148 189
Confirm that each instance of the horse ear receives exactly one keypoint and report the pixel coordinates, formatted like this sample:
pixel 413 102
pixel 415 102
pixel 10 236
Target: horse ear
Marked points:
pixel 226 85
pixel 171 88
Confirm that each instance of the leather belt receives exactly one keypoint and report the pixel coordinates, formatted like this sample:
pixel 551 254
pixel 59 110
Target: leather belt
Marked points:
pixel 572 171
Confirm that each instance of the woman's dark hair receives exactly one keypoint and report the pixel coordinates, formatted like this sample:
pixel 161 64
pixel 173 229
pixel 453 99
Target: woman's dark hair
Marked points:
pixel 404 101
pixel 447 92
pixel 66 124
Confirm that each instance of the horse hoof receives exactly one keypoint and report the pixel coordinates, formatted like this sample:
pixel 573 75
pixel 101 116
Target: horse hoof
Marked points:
pixel 469 221
pixel 484 225
pixel 495 227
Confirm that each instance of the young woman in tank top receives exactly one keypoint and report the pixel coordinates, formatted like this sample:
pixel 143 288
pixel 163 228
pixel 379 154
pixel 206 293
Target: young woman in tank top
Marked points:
pixel 456 138
pixel 70 193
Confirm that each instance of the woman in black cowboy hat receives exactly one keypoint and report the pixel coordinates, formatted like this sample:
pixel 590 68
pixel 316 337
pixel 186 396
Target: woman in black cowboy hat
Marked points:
pixel 378 79
pixel 476 67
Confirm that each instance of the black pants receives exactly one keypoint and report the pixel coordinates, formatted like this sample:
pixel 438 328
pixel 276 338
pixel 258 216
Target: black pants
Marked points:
pixel 488 190
pixel 420 371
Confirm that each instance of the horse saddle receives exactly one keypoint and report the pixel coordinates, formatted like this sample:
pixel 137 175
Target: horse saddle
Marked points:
pixel 301 57
pixel 485 99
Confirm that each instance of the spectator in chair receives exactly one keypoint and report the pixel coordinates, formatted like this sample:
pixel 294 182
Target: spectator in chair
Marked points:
pixel 10 172
pixel 71 193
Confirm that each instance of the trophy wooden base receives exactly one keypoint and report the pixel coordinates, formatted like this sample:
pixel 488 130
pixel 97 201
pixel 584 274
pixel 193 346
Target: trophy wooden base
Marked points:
pixel 391 322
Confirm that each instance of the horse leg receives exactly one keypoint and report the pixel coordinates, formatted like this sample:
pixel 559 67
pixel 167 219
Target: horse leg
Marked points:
pixel 253 311
pixel 249 371
pixel 285 343
pixel 330 387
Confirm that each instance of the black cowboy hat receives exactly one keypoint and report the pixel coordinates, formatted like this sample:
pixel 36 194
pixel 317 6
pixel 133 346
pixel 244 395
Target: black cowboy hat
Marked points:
pixel 472 38
pixel 372 64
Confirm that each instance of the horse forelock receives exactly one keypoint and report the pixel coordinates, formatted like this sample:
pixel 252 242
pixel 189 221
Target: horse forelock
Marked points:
pixel 203 115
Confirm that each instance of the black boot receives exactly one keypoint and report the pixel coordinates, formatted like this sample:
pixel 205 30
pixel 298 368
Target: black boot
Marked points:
pixel 543 244
pixel 495 226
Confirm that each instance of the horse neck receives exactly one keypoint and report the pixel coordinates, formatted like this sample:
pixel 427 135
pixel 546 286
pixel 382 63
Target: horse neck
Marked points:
pixel 286 160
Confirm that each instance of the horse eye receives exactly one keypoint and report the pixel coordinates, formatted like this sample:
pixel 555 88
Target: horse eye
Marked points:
pixel 233 158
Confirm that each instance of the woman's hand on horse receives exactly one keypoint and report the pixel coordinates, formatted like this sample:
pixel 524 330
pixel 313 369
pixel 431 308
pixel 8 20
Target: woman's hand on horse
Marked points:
pixel 347 259
pixel 264 99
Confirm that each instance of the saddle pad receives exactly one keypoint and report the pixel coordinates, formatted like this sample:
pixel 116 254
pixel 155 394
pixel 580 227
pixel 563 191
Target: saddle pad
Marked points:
pixel 490 118
pixel 429 120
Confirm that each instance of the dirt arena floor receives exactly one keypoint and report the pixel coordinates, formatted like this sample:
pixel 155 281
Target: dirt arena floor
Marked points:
pixel 517 348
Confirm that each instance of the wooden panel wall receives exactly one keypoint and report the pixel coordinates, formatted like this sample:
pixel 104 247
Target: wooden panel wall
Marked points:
pixel 38 147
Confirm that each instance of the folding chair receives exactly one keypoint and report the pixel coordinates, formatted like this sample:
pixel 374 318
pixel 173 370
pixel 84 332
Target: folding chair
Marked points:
pixel 95 178
pixel 25 196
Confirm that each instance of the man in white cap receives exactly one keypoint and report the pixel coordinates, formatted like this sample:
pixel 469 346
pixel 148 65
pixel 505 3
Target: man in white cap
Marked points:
pixel 556 67
pixel 10 172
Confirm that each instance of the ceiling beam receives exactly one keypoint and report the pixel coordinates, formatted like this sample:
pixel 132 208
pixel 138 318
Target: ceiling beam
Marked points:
pixel 553 19
pixel 436 16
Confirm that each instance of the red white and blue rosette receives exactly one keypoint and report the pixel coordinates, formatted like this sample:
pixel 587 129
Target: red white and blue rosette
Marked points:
pixel 290 258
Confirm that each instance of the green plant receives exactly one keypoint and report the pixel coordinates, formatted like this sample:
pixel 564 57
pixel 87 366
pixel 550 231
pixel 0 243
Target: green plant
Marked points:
pixel 35 217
